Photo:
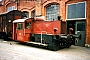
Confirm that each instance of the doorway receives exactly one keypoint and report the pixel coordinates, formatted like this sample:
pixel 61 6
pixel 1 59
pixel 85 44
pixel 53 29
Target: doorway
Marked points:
pixel 79 28
pixel 71 24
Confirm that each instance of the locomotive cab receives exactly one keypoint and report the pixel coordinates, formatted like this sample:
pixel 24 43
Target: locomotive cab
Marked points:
pixel 21 30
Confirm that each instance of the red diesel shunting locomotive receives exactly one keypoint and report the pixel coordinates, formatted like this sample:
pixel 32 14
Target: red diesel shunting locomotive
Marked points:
pixel 38 31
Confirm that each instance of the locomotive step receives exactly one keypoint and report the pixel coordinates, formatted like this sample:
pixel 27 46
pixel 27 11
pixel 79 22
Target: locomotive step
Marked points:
pixel 36 43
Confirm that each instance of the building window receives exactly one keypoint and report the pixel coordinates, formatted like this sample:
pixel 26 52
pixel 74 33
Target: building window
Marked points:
pixel 76 10
pixel 52 12
pixel 26 14
pixel 10 8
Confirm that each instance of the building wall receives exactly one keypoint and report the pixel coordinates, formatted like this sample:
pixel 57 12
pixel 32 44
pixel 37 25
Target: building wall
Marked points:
pixel 22 5
pixel 87 17
pixel 88 23
pixel 1 9
pixel 26 6
pixel 39 6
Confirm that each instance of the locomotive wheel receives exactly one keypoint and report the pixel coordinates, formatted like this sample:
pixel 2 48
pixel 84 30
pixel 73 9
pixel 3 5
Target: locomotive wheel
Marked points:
pixel 61 45
pixel 68 45
pixel 53 47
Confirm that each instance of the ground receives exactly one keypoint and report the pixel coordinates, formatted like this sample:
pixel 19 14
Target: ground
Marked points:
pixel 11 50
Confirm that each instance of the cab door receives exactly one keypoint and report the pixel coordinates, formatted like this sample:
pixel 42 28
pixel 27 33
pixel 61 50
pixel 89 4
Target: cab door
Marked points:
pixel 20 31
pixel 80 30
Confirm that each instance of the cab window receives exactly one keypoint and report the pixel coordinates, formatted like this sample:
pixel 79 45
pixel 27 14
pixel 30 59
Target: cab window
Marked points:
pixel 19 26
pixel 27 25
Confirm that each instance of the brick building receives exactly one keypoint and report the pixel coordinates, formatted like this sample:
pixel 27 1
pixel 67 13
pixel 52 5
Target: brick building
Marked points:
pixel 74 14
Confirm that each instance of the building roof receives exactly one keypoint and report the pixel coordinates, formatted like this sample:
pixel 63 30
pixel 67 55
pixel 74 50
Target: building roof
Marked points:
pixel 8 12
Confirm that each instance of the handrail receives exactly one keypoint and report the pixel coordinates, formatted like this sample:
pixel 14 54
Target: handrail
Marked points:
pixel 41 35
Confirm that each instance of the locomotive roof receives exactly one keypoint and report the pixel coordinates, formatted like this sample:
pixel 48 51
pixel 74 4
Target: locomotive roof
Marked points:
pixel 35 18
pixel 19 20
